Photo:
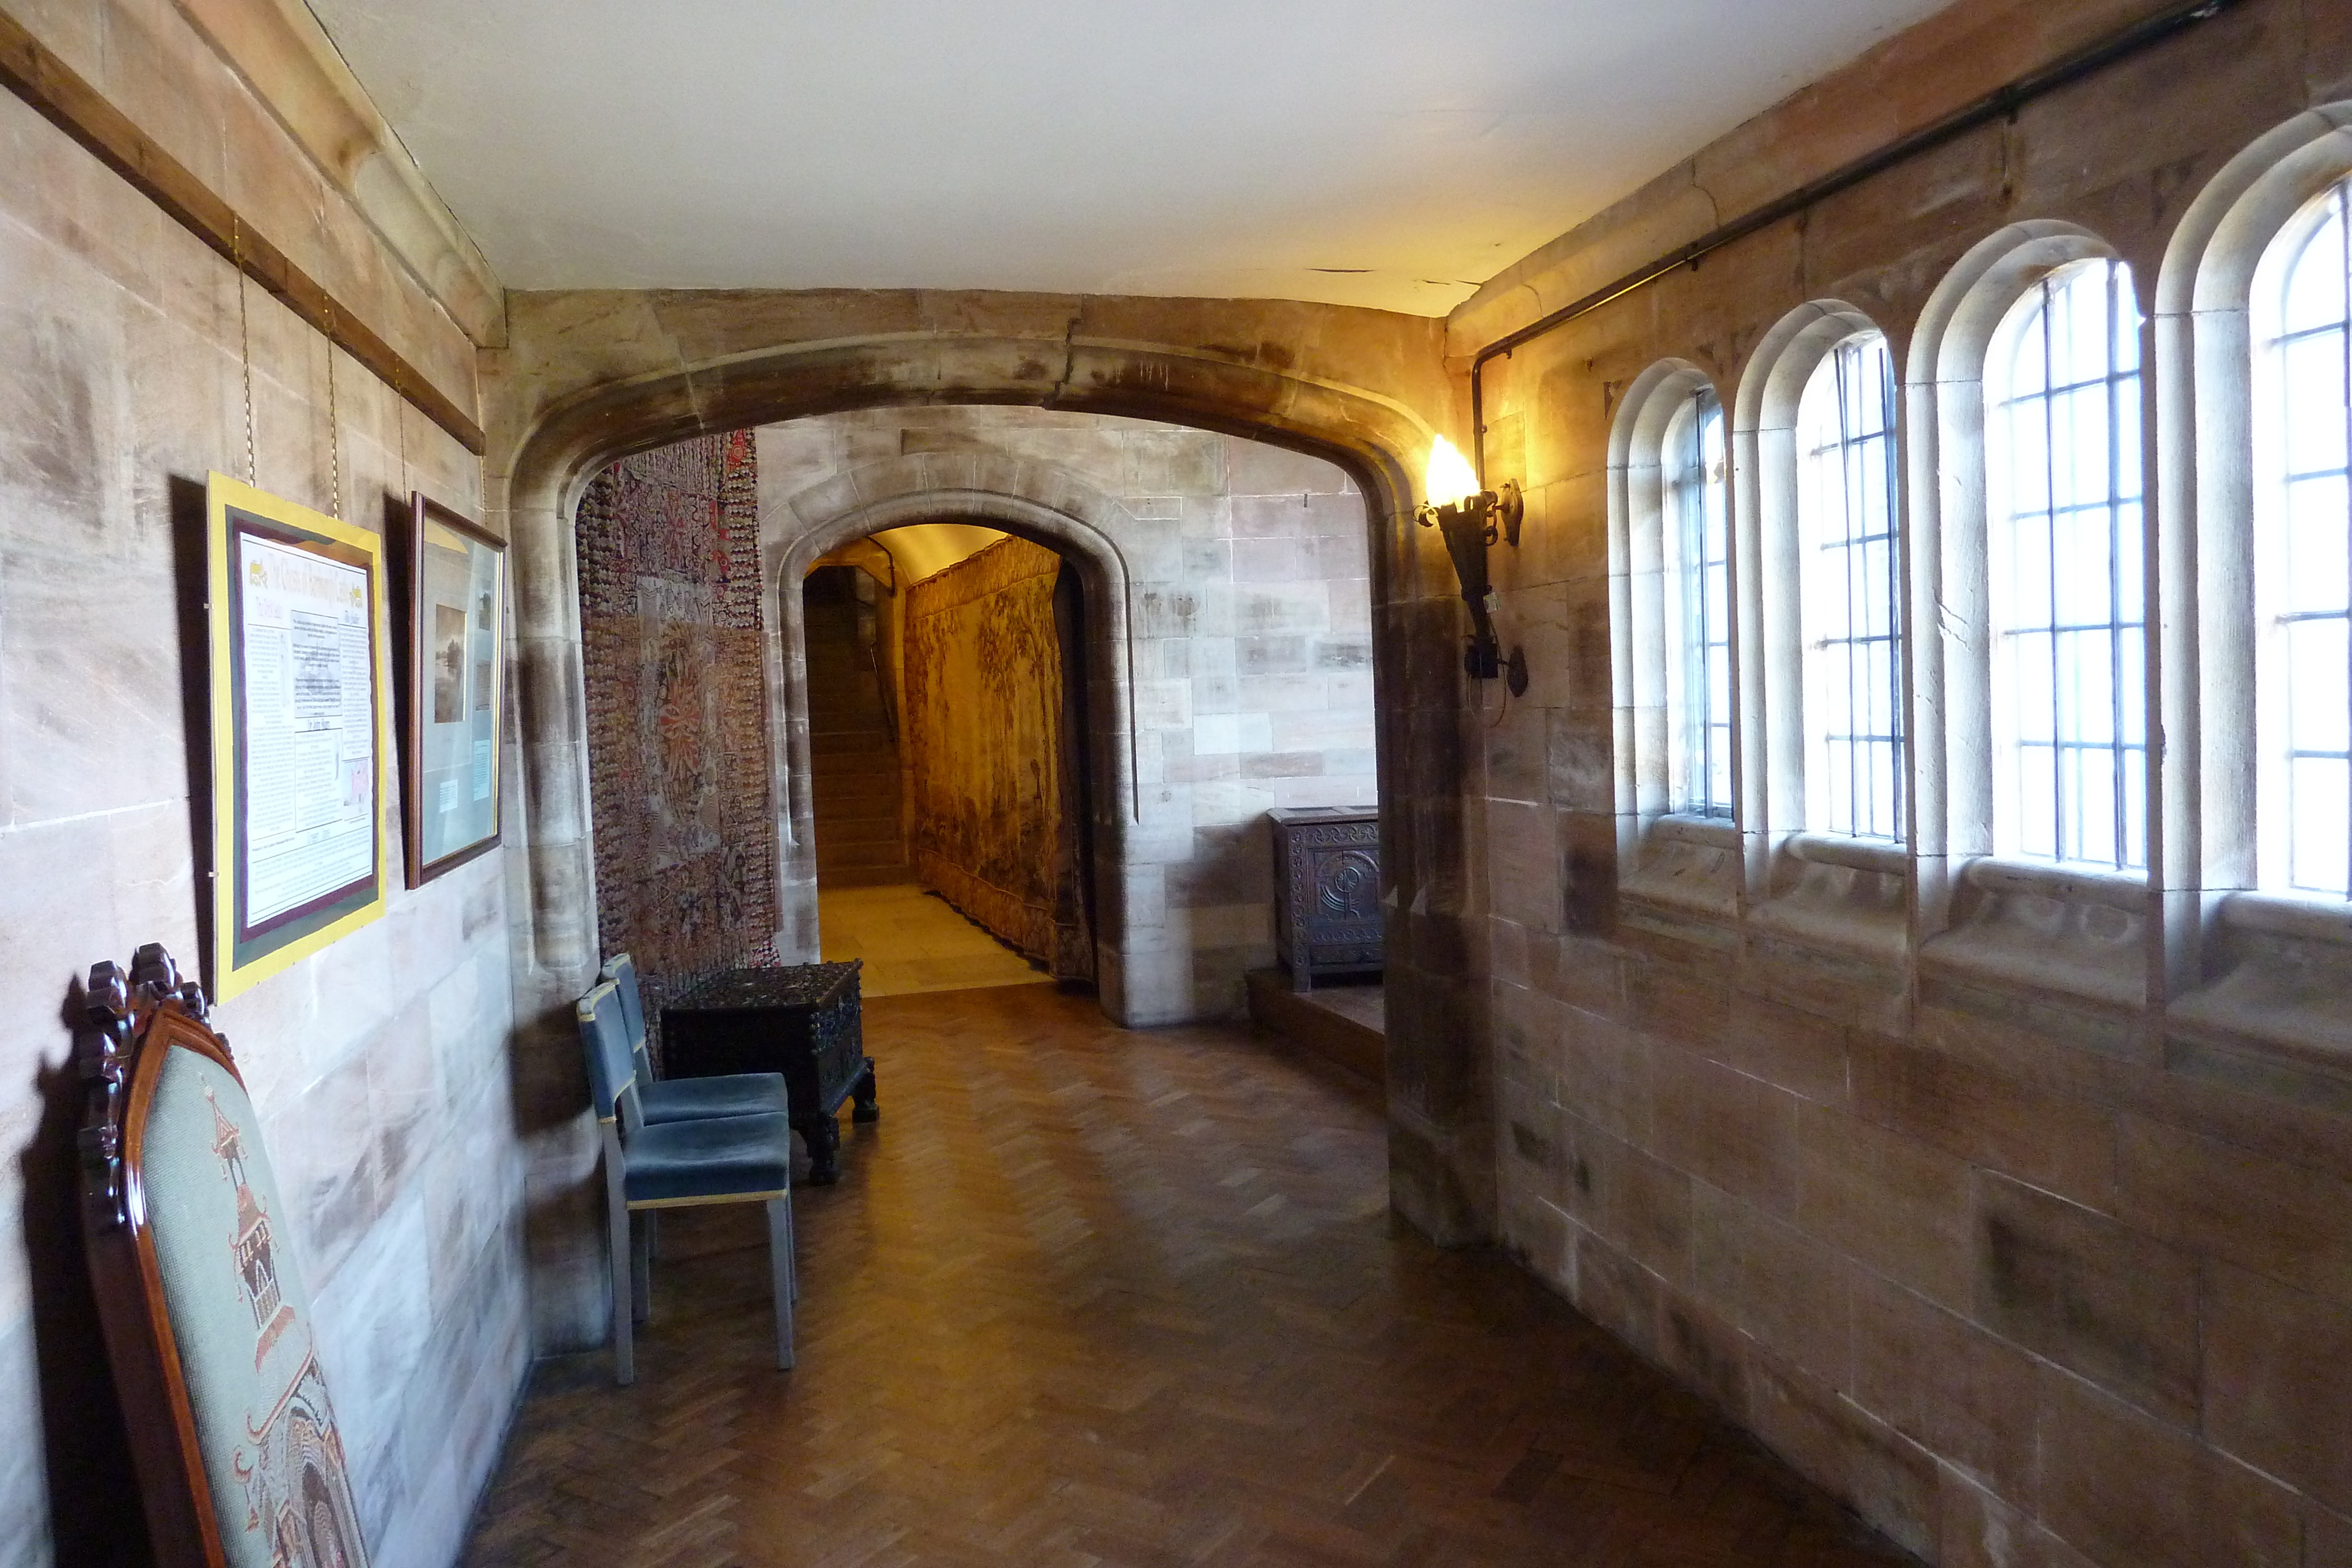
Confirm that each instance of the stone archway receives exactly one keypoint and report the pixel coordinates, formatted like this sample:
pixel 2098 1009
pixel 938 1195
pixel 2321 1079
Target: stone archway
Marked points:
pixel 1036 500
pixel 590 378
pixel 535 483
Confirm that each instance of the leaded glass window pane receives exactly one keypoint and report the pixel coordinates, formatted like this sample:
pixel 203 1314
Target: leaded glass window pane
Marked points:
pixel 2070 698
pixel 1851 596
pixel 1698 500
pixel 2305 647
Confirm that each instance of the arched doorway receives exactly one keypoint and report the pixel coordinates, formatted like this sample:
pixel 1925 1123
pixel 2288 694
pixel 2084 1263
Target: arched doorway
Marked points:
pixel 1071 530
pixel 1439 1085
pixel 950 759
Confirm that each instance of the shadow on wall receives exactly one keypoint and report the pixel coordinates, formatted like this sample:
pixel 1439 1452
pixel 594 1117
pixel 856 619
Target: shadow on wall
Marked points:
pixel 84 1456
pixel 94 1517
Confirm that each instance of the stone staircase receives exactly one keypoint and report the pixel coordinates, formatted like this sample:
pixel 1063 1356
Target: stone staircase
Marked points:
pixel 853 753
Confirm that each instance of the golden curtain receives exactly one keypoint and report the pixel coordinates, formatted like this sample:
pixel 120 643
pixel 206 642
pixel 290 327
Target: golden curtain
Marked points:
pixel 993 828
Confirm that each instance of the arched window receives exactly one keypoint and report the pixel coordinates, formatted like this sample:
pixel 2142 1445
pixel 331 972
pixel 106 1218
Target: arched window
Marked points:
pixel 1698 612
pixel 1674 641
pixel 1851 594
pixel 2068 693
pixel 2303 552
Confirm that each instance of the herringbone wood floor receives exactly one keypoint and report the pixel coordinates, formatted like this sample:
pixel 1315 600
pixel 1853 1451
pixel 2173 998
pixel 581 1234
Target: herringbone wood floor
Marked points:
pixel 1093 1297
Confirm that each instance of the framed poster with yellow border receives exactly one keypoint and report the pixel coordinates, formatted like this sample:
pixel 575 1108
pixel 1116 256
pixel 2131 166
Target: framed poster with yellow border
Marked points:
pixel 301 731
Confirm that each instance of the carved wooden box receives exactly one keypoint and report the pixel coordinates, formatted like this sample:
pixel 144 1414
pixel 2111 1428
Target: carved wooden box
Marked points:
pixel 1327 891
pixel 803 1020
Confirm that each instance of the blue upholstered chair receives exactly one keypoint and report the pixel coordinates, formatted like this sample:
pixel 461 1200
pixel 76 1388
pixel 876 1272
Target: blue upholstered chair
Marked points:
pixel 675 1165
pixel 687 1099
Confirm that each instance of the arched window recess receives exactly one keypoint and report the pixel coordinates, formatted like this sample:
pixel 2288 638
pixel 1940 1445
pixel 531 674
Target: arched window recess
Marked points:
pixel 2254 343
pixel 1821 505
pixel 2032 798
pixel 1674 622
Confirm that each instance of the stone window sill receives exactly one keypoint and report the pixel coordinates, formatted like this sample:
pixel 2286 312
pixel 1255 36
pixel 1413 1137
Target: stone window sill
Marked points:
pixel 1712 833
pixel 1884 857
pixel 2275 1008
pixel 1851 895
pixel 2126 890
pixel 1689 864
pixel 2062 929
pixel 2285 915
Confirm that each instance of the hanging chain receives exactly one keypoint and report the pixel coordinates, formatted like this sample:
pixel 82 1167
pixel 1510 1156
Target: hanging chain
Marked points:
pixel 400 426
pixel 334 441
pixel 244 341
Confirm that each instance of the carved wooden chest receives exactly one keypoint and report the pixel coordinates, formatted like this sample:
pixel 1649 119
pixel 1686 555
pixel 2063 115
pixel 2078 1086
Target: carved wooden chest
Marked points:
pixel 1327 891
pixel 802 1020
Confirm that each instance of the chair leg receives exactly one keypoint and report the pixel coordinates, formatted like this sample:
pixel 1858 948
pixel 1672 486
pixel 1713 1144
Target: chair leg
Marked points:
pixel 625 1361
pixel 780 1269
pixel 793 1253
pixel 641 1272
pixel 653 1232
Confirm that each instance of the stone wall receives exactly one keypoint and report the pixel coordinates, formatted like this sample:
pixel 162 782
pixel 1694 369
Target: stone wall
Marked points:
pixel 379 1066
pixel 678 765
pixel 1248 577
pixel 2038 1259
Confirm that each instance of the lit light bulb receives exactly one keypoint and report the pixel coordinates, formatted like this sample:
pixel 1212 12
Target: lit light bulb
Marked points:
pixel 1451 477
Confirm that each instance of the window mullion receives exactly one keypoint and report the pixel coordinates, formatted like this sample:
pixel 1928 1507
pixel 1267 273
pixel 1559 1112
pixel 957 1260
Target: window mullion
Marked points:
pixel 2343 219
pixel 1897 751
pixel 1846 498
pixel 2117 749
pixel 2058 795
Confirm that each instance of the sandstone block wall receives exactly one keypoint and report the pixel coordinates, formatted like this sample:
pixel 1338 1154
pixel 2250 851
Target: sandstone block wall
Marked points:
pixel 379 1067
pixel 1249 580
pixel 2030 1278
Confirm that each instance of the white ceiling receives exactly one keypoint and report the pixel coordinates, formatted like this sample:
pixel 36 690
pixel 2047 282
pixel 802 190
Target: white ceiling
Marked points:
pixel 1358 151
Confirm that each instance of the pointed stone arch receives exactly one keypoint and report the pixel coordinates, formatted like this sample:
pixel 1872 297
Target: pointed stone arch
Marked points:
pixel 1040 502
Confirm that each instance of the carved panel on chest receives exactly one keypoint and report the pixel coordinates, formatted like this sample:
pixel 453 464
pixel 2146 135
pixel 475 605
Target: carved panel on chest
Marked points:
pixel 1327 882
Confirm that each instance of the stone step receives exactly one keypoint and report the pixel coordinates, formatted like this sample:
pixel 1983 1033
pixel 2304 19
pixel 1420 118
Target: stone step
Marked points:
pixel 863 875
pixel 860 857
pixel 865 836
pixel 1334 1021
pixel 836 814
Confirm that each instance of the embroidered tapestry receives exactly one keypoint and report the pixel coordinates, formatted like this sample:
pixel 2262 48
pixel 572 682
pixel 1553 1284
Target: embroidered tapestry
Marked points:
pixel 995 820
pixel 670 622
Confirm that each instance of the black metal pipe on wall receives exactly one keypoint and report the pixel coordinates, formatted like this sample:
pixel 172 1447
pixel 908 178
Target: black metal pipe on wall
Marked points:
pixel 1999 103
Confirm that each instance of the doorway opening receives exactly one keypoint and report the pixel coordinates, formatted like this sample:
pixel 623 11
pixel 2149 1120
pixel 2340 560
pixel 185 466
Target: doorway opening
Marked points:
pixel 1205 601
pixel 949 772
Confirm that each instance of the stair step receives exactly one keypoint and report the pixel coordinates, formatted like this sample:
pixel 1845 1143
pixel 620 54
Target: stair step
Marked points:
pixel 865 836
pixel 860 857
pixel 864 876
pixel 864 821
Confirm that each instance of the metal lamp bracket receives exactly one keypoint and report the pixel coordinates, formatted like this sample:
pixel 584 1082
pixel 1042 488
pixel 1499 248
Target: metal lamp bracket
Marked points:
pixel 1470 525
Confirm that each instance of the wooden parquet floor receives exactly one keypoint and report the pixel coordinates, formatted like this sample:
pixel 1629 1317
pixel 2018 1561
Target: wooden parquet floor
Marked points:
pixel 1086 1296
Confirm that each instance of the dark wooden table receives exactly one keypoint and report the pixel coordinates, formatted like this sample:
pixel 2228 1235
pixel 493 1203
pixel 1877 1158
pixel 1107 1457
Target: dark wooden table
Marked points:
pixel 802 1020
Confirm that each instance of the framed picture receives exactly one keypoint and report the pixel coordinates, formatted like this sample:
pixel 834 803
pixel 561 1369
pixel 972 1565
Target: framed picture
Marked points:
pixel 454 646
pixel 300 729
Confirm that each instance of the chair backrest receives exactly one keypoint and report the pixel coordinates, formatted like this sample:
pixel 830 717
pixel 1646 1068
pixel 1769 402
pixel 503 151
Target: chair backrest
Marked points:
pixel 611 1069
pixel 208 1320
pixel 622 970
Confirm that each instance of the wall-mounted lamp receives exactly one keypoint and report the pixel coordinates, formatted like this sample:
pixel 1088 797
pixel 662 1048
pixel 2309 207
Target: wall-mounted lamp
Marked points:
pixel 1471 519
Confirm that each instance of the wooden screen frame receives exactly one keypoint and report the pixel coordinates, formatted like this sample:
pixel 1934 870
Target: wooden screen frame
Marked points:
pixel 410 689
pixel 135 1023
